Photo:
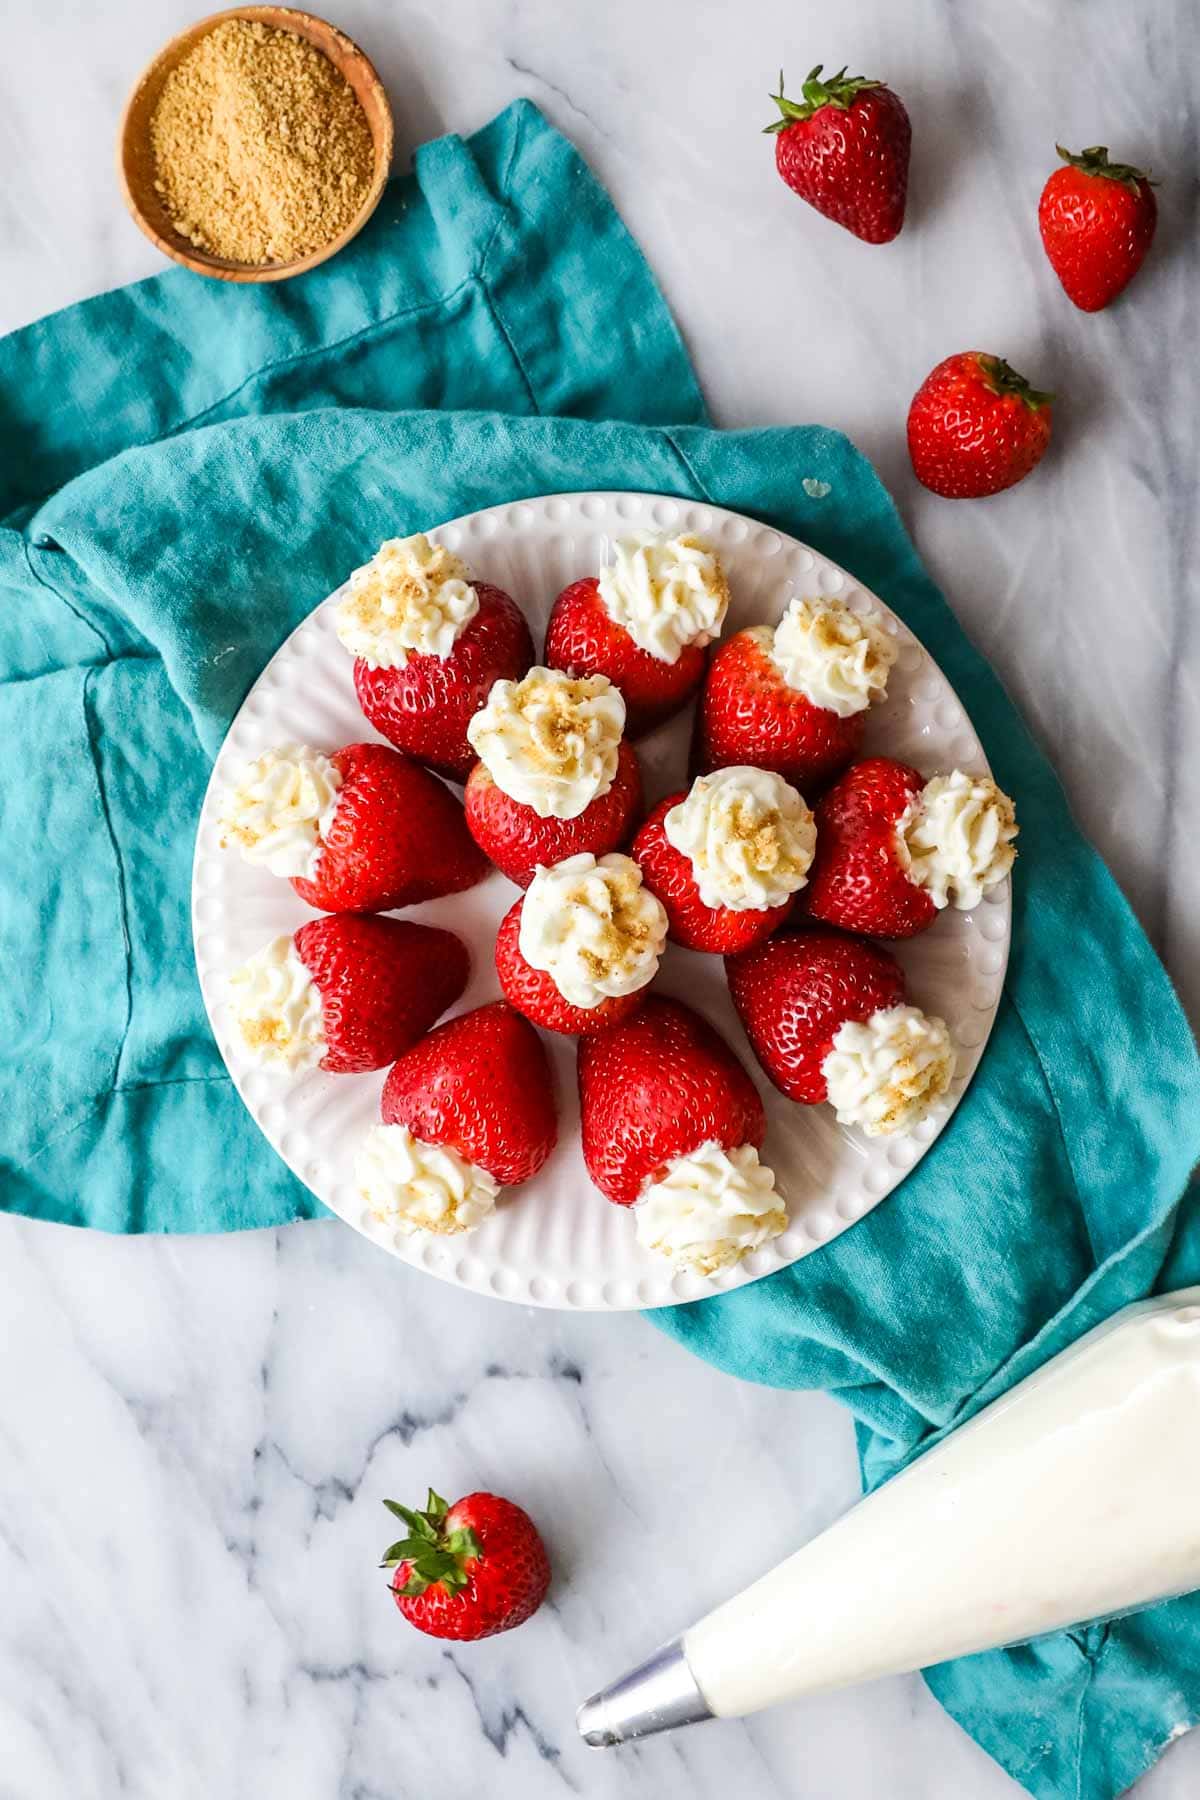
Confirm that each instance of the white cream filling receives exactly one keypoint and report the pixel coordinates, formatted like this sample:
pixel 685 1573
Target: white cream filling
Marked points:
pixel 748 836
pixel 710 1209
pixel 885 1075
pixel 277 1009
pixel 551 741
pixel 593 928
pixel 955 840
pixel 412 1186
pixel 836 658
pixel 667 592
pixel 281 810
pixel 411 596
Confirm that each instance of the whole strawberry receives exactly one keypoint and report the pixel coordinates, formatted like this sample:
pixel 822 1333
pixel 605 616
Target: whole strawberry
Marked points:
pixel 844 148
pixel 469 1570
pixel 1097 220
pixel 976 427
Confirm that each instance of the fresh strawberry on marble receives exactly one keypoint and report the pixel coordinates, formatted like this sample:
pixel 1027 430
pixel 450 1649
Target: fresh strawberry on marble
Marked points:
pixel 468 1110
pixel 976 427
pixel 844 147
pixel 727 858
pixel 469 1570
pixel 1097 219
pixel 428 641
pixel 793 697
pixel 645 621
pixel 671 1126
pixel 363 830
pixel 579 950
pixel 894 849
pixel 346 993
pixel 556 776
pixel 829 1019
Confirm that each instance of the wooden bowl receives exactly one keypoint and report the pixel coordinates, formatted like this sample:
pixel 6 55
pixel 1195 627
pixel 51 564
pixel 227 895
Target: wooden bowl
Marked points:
pixel 135 159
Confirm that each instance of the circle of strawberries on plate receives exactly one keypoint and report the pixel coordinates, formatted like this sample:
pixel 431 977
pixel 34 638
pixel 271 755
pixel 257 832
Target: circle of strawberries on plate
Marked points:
pixel 645 622
pixel 793 697
pixel 429 642
pixel 894 849
pixel 1097 219
pixel 976 427
pixel 556 776
pixel 844 147
pixel 577 952
pixel 727 858
pixel 469 1570
pixel 828 1018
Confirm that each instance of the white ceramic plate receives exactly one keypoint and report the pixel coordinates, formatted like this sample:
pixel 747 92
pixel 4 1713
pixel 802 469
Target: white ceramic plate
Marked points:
pixel 557 1241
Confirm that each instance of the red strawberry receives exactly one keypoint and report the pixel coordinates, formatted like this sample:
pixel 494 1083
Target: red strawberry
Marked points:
pixel 398 837
pixel 480 1084
pixel 582 639
pixel 1097 221
pixel 749 714
pixel 669 874
pixel 794 992
pixel 535 992
pixel 858 880
pixel 845 150
pixel 517 839
pixel 656 1088
pixel 469 1570
pixel 976 427
pixel 382 983
pixel 424 707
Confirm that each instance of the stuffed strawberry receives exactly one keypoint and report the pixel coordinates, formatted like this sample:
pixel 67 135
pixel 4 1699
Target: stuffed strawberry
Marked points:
pixel 428 642
pixel 346 993
pixel 644 622
pixel 1097 220
pixel 579 949
pixel 468 1110
pixel 976 427
pixel 828 1018
pixel 555 777
pixel 793 697
pixel 727 858
pixel 469 1570
pixel 844 148
pixel 364 830
pixel 671 1125
pixel 893 849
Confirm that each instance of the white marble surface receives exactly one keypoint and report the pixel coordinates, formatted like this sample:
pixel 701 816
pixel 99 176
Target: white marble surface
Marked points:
pixel 196 1435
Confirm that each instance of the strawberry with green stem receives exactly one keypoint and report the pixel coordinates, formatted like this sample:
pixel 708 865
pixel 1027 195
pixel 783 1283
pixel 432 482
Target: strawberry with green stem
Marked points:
pixel 469 1570
pixel 1097 219
pixel 844 148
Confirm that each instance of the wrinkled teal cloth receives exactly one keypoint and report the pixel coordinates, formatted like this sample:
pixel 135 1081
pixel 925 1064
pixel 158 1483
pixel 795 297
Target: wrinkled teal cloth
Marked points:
pixel 187 471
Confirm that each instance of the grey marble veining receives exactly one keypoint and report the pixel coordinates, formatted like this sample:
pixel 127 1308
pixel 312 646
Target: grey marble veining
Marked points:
pixel 195 1435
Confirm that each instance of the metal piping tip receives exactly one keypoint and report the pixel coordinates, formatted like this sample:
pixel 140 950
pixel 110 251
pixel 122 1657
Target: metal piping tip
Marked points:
pixel 658 1695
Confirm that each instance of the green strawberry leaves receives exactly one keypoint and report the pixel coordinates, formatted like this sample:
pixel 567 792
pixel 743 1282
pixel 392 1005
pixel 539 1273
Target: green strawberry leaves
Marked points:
pixel 839 90
pixel 1095 162
pixel 431 1553
pixel 1002 378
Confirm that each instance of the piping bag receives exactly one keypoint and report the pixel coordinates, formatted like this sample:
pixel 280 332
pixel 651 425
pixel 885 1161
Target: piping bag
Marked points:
pixel 1070 1499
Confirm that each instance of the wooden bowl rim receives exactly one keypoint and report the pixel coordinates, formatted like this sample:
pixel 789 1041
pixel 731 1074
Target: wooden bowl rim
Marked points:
pixel 342 51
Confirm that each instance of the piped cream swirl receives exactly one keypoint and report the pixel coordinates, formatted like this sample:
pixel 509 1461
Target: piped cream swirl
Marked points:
pixel 413 1186
pixel 551 741
pixel 956 838
pixel 281 810
pixel 836 658
pixel 411 596
pixel 277 1008
pixel 667 592
pixel 593 928
pixel 885 1075
pixel 748 836
pixel 710 1209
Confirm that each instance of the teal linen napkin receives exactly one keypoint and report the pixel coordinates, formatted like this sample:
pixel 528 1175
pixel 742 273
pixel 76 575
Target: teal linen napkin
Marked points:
pixel 190 471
